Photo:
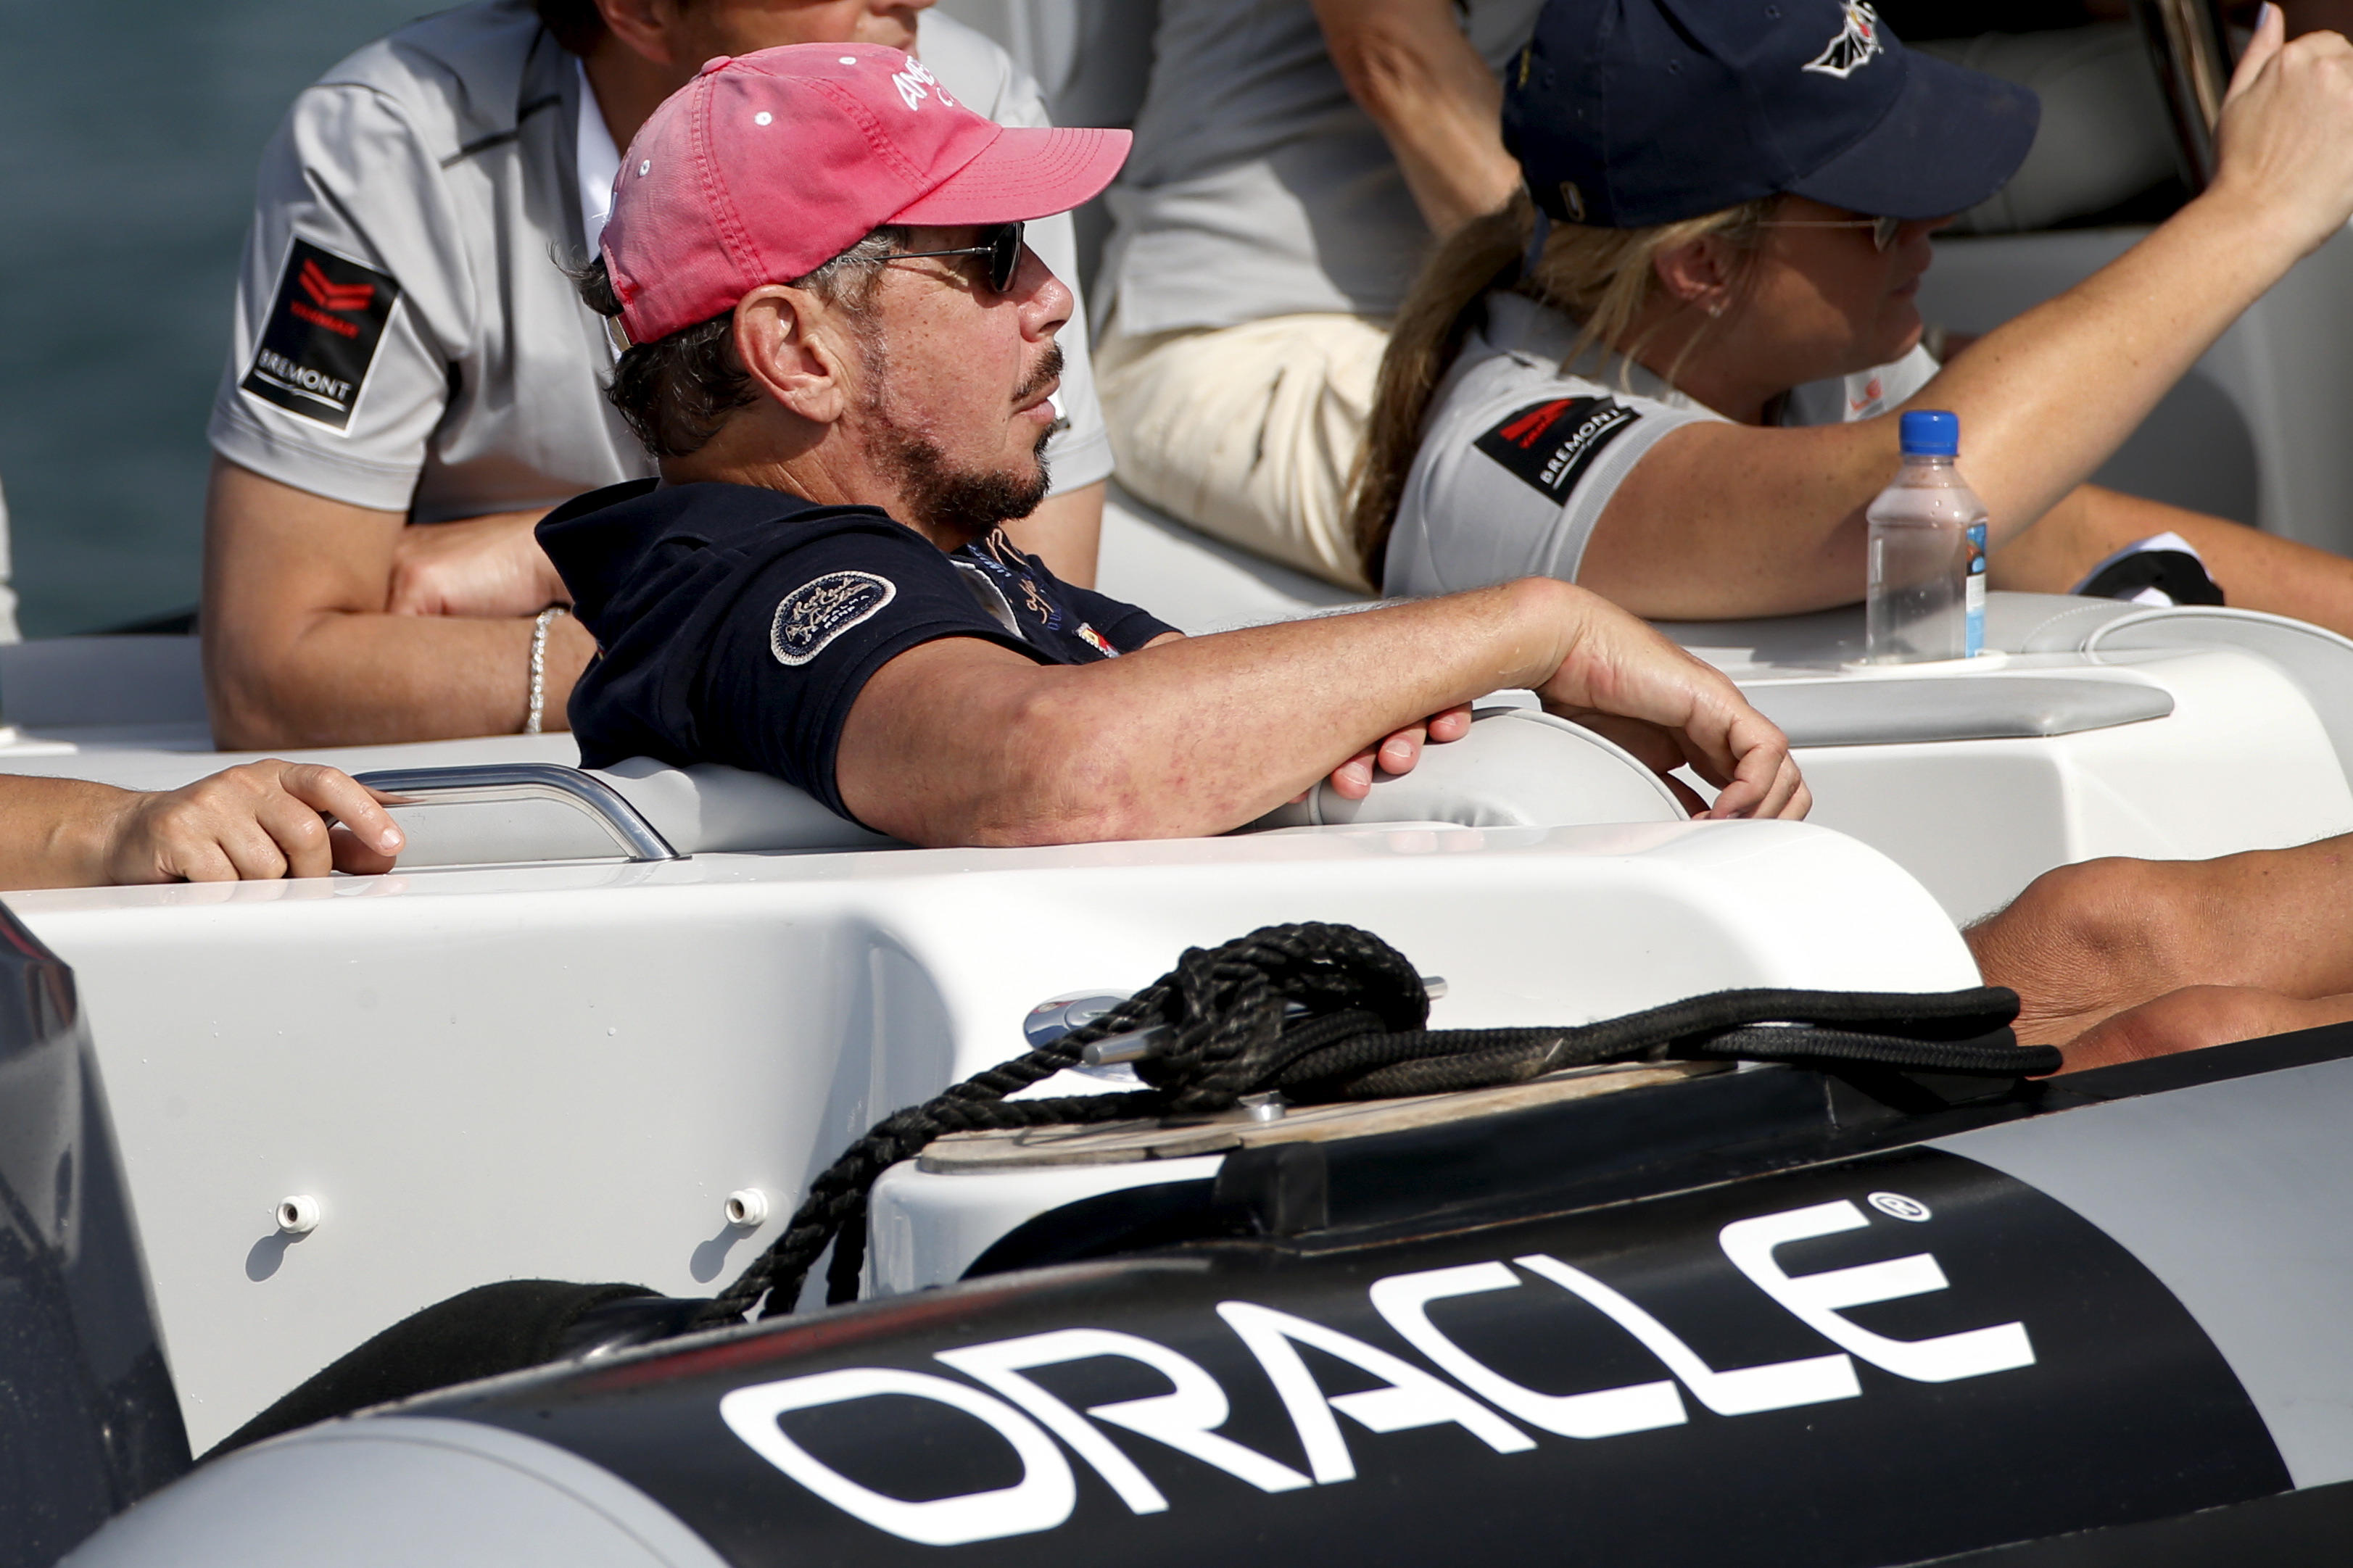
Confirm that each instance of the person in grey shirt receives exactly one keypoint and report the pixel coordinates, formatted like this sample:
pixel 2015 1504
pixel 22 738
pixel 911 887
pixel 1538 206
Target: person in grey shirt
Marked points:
pixel 413 381
pixel 1294 162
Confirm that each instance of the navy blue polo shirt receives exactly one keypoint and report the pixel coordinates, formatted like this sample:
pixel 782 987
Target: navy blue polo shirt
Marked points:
pixel 738 625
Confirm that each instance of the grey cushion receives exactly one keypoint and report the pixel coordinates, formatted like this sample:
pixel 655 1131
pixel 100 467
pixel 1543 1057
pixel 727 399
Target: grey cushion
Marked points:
pixel 1879 712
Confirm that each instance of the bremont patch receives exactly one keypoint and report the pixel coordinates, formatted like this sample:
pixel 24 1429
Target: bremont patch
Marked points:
pixel 1551 444
pixel 321 335
pixel 819 611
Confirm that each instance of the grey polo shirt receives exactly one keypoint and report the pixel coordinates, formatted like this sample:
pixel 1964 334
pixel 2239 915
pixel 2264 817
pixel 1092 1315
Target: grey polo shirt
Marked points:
pixel 404 338
pixel 1521 452
pixel 1257 187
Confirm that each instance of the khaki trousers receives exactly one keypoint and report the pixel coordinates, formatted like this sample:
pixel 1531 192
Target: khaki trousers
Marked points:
pixel 1248 433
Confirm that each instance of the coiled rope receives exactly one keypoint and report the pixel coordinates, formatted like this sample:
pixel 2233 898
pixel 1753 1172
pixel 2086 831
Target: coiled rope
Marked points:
pixel 1229 1030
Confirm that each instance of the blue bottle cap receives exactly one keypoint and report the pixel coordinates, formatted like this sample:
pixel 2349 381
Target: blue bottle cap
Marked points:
pixel 1931 433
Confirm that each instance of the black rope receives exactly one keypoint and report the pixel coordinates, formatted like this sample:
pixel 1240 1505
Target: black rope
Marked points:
pixel 1329 1013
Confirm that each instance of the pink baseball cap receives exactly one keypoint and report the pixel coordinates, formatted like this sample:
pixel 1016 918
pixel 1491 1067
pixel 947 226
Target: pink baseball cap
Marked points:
pixel 765 166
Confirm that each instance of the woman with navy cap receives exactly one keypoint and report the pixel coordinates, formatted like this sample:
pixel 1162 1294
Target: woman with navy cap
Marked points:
pixel 1733 201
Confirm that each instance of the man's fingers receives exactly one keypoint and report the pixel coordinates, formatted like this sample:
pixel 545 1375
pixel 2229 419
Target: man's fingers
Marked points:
pixel 1450 726
pixel 1765 784
pixel 338 794
pixel 194 861
pixel 352 854
pixel 297 832
pixel 1402 750
pixel 255 822
pixel 1353 780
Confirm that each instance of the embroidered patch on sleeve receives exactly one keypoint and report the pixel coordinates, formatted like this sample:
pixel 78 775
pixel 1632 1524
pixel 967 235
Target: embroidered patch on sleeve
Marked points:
pixel 820 610
pixel 1550 445
pixel 321 335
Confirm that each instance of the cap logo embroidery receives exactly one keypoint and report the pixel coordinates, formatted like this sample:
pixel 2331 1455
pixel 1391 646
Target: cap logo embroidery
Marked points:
pixel 1856 45
pixel 916 84
pixel 821 609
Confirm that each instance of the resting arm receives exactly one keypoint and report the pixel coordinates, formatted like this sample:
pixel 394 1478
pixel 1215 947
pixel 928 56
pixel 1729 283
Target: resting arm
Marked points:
pixel 302 646
pixel 964 741
pixel 2043 400
pixel 1408 66
pixel 262 820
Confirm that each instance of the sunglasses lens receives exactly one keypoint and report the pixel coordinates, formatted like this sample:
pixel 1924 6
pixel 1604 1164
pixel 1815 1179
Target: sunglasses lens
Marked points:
pixel 1004 257
pixel 1883 232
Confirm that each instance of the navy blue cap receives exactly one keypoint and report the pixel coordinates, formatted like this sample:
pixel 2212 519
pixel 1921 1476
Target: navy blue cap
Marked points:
pixel 1930 433
pixel 1625 113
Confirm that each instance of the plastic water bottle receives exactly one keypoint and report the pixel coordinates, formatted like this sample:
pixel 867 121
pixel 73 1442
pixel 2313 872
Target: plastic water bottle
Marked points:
pixel 1926 593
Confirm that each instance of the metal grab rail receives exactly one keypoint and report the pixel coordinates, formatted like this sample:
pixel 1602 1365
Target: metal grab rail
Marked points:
pixel 638 839
pixel 2189 44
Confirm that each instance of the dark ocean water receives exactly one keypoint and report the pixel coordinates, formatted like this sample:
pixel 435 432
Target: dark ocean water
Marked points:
pixel 129 131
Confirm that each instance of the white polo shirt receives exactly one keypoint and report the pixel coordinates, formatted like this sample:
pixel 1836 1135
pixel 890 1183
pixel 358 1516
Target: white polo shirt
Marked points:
pixel 1519 454
pixel 405 338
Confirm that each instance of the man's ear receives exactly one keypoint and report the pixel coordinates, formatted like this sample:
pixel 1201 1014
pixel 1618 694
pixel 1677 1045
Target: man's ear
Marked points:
pixel 790 345
pixel 1698 273
pixel 646 27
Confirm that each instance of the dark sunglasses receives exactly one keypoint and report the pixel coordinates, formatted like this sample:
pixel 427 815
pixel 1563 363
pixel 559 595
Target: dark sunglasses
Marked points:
pixel 1003 250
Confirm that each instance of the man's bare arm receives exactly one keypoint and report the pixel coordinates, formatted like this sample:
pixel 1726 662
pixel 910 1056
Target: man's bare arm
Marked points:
pixel 261 820
pixel 1065 533
pixel 302 647
pixel 1410 67
pixel 963 742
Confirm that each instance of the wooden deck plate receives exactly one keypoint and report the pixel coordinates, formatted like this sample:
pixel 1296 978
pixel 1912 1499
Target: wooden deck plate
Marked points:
pixel 1124 1143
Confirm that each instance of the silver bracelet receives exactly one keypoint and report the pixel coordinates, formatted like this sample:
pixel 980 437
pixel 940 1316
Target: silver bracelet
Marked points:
pixel 539 668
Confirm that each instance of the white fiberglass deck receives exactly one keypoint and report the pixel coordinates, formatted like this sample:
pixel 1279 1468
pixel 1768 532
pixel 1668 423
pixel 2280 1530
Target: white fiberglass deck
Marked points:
pixel 561 1072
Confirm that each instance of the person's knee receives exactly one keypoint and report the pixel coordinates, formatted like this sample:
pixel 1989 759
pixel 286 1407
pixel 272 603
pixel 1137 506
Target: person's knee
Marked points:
pixel 2090 938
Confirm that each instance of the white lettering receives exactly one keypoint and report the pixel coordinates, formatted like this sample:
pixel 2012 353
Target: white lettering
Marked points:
pixel 1413 1398
pixel 1816 1300
pixel 279 368
pixel 1040 1500
pixel 1185 1420
pixel 1404 1300
pixel 1776 1385
pixel 911 91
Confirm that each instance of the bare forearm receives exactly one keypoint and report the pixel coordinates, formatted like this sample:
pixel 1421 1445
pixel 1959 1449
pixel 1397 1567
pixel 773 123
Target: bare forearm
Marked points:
pixel 1410 67
pixel 1188 737
pixel 361 679
pixel 1777 516
pixel 58 831
pixel 2044 399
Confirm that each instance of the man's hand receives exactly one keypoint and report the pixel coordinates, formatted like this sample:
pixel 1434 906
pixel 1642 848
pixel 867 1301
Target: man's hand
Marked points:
pixel 1622 680
pixel 489 567
pixel 261 821
pixel 1353 780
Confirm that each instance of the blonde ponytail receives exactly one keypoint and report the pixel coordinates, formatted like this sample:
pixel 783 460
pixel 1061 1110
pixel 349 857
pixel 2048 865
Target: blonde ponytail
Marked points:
pixel 1605 279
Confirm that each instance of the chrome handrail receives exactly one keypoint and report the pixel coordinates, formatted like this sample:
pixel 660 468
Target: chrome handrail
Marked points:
pixel 638 839
pixel 2189 44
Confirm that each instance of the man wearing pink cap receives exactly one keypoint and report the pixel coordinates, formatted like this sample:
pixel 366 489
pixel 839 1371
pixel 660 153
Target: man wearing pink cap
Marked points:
pixel 840 354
